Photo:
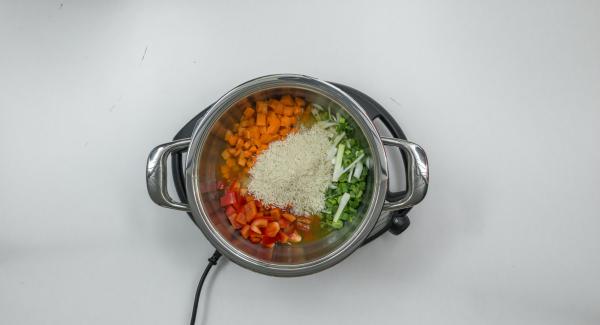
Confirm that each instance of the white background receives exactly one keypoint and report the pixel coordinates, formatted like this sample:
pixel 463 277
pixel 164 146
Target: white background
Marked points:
pixel 503 95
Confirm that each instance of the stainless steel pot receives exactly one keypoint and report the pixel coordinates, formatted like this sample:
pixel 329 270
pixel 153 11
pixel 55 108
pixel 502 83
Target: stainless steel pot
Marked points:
pixel 203 160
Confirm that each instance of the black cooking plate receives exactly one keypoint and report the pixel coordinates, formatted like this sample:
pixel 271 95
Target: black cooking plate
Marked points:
pixel 399 220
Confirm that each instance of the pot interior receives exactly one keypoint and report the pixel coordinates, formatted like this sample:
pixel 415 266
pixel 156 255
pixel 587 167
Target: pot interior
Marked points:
pixel 209 161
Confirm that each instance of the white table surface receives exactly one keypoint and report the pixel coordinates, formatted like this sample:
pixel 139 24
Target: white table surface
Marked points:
pixel 504 96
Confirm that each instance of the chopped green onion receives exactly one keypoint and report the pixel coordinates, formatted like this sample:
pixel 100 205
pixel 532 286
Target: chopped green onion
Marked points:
pixel 338 138
pixel 353 163
pixel 343 201
pixel 358 170
pixel 338 163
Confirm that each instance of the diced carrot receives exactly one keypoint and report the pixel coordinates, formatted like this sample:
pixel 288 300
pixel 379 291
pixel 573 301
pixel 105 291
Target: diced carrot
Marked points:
pixel 225 154
pixel 241 161
pixel 247 123
pixel 246 154
pixel 231 151
pixel 253 149
pixel 265 138
pixel 230 162
pixel 261 107
pixel 247 145
pixel 249 112
pixel 228 135
pixel 299 101
pixel 232 140
pixel 239 143
pixel 274 124
pixel 261 119
pixel 288 110
pixel 272 118
pixel 253 132
pixel 287 100
pixel 284 132
pixel 278 109
pixel 272 129
pixel 297 110
pixel 224 169
pixel 242 132
pixel 237 152
pixel 286 121
pixel 273 103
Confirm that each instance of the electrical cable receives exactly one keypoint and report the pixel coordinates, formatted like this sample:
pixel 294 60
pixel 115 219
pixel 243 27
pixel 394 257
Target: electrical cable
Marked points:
pixel 211 262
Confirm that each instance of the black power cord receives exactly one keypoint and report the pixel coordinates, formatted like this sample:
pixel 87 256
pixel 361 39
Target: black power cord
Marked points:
pixel 211 261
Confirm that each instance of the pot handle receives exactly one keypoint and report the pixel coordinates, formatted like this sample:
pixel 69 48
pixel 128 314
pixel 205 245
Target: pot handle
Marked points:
pixel 156 174
pixel 417 174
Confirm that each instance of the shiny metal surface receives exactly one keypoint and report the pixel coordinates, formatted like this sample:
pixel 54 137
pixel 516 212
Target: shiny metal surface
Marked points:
pixel 201 174
pixel 156 174
pixel 417 174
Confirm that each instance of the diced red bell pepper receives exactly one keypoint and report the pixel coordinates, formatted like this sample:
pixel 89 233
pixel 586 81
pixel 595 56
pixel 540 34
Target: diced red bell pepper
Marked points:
pixel 241 218
pixel 249 219
pixel 257 224
pixel 245 231
pixel 289 217
pixel 234 223
pixel 302 226
pixel 234 187
pixel 295 237
pixel 283 223
pixel 290 228
pixel 282 237
pixel 260 223
pixel 229 198
pixel 250 209
pixel 229 211
pixel 272 229
pixel 268 241
pixel 306 220
pixel 254 237
pixel 275 213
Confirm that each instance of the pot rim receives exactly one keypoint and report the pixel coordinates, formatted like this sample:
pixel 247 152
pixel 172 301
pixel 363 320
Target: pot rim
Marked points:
pixel 352 108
